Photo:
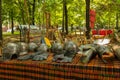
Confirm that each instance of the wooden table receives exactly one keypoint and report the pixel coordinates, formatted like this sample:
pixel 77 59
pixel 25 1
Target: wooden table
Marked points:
pixel 48 70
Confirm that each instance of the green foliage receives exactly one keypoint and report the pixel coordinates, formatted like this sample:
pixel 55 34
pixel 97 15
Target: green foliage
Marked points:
pixel 105 11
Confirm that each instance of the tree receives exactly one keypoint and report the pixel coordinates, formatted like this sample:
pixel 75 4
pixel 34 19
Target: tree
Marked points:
pixel 117 14
pixel 33 12
pixel 11 12
pixel 12 20
pixel 65 16
pixel 0 21
pixel 107 12
pixel 22 11
pixel 87 19
pixel 31 9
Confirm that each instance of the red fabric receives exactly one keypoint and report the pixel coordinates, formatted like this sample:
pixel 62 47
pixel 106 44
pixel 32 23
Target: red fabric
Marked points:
pixel 109 31
pixel 92 25
pixel 92 18
pixel 92 13
pixel 94 32
pixel 102 32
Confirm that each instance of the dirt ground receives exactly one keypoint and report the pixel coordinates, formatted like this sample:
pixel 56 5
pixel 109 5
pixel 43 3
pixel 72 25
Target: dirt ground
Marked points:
pixel 16 38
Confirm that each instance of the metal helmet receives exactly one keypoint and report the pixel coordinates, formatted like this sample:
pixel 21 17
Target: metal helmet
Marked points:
pixel 70 48
pixel 116 50
pixel 70 45
pixel 32 46
pixel 23 48
pixel 57 47
pixel 101 49
pixel 43 47
pixel 10 51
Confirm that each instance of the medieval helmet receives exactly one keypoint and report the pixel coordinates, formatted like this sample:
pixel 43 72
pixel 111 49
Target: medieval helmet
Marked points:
pixel 42 47
pixel 23 47
pixel 32 46
pixel 70 48
pixel 10 51
pixel 102 49
pixel 57 47
pixel 70 45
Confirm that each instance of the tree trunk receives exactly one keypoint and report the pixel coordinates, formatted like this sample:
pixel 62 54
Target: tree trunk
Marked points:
pixel 12 21
pixel 29 11
pixel 28 20
pixel 109 23
pixel 43 17
pixel 0 28
pixel 66 18
pixel 33 12
pixel 0 20
pixel 117 20
pixel 87 19
pixel 63 24
pixel 39 22
pixel 23 17
pixel 22 12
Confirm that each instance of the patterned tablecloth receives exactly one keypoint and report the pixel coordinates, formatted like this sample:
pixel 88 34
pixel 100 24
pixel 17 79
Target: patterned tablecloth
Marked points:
pixel 48 70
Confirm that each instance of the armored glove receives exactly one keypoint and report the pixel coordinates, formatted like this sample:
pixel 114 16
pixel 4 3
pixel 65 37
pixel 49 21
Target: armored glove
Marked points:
pixel 88 52
pixel 41 54
pixel 58 52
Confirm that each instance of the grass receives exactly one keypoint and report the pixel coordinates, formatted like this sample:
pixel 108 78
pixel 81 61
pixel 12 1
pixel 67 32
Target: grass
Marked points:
pixel 5 34
pixel 9 33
